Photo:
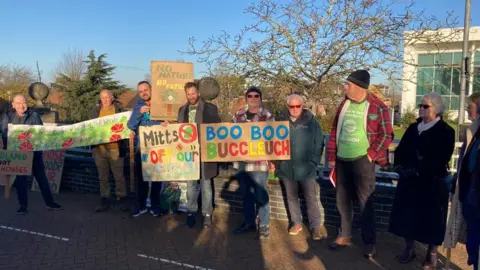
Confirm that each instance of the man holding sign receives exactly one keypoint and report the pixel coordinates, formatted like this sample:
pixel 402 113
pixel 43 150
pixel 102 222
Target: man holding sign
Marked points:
pixel 197 111
pixel 141 117
pixel 253 175
pixel 22 115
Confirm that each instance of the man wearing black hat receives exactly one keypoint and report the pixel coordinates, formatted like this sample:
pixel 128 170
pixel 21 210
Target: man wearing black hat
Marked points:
pixel 253 175
pixel 360 137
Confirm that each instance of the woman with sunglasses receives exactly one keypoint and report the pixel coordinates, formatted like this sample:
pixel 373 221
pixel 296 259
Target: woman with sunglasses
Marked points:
pixel 306 148
pixel 421 200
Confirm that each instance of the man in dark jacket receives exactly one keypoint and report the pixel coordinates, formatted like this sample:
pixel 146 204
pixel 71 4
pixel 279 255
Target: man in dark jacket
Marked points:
pixel 22 115
pixel 197 111
pixel 109 156
pixel 306 146
pixel 141 117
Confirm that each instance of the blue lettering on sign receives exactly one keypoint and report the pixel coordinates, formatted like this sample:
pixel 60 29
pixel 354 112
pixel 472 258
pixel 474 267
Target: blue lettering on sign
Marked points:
pixel 239 132
pixel 223 130
pixel 256 134
pixel 210 133
pixel 285 132
pixel 144 157
pixel 268 129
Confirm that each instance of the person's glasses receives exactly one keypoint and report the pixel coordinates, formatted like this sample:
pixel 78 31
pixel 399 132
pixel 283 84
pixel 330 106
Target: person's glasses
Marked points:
pixel 294 106
pixel 253 96
pixel 425 106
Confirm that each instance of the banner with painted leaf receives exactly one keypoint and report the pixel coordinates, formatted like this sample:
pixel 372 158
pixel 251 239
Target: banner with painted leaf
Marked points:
pixel 245 141
pixel 96 131
pixel 53 161
pixel 170 153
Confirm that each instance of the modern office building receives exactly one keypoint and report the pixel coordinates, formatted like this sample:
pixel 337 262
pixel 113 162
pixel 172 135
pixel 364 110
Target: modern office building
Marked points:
pixel 435 66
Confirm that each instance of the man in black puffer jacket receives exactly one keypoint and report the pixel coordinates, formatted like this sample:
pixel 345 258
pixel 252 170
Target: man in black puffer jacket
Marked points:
pixel 22 115
pixel 306 147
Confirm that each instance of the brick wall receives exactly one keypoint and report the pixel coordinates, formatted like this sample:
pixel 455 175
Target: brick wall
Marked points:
pixel 80 175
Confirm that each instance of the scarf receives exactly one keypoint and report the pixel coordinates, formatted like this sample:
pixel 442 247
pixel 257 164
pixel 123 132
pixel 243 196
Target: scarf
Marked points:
pixel 424 127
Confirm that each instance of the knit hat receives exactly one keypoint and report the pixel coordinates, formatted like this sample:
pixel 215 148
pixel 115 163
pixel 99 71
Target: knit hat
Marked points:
pixel 360 78
pixel 253 89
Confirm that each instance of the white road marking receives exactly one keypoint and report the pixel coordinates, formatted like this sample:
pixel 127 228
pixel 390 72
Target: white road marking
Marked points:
pixel 172 262
pixel 34 233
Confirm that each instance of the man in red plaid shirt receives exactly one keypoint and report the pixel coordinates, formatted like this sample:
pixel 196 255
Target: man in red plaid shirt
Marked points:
pixel 253 175
pixel 360 137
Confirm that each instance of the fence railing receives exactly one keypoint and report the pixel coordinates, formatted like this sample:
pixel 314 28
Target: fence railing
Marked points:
pixel 384 177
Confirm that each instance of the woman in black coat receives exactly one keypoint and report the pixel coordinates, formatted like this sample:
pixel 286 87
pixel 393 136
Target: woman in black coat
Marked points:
pixel 421 201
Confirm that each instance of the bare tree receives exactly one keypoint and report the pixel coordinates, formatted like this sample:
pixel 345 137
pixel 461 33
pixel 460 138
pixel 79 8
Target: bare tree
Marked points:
pixel 307 45
pixel 14 79
pixel 72 64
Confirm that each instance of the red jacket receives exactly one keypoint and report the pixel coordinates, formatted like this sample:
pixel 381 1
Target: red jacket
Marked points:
pixel 379 131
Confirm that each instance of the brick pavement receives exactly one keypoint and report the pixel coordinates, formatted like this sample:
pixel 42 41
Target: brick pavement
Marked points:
pixel 113 240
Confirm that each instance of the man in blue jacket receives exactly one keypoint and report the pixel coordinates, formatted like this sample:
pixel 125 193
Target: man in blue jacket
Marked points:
pixel 141 117
pixel 22 115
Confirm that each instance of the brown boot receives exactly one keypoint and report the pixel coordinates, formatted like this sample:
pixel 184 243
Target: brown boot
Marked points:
pixel 341 242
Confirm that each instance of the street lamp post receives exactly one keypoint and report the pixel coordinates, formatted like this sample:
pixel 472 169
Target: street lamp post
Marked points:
pixel 463 81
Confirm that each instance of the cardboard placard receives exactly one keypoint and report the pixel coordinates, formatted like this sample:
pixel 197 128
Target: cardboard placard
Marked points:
pixel 170 153
pixel 168 95
pixel 15 162
pixel 53 161
pixel 245 141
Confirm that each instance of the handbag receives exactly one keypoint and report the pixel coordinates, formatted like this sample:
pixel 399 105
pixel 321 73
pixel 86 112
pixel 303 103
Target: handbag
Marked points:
pixel 170 198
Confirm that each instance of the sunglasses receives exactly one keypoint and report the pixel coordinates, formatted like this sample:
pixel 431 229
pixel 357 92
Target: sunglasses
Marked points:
pixel 424 106
pixel 253 96
pixel 294 106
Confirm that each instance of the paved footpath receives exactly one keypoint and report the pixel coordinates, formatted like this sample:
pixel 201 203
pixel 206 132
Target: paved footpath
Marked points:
pixel 78 238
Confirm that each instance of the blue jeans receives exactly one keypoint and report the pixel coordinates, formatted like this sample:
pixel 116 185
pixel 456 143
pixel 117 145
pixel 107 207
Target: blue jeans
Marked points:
pixel 473 233
pixel 207 196
pixel 38 171
pixel 253 187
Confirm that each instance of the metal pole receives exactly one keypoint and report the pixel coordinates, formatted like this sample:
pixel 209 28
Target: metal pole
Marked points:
pixel 463 82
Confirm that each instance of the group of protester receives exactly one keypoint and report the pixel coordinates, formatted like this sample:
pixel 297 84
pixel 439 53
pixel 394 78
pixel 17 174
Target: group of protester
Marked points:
pixel 359 140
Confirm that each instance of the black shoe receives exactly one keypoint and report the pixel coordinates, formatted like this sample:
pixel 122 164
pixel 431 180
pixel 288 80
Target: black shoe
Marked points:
pixel 22 210
pixel 54 206
pixel 245 228
pixel 407 256
pixel 207 221
pixel 369 251
pixel 191 220
pixel 104 205
pixel 123 204
pixel 263 232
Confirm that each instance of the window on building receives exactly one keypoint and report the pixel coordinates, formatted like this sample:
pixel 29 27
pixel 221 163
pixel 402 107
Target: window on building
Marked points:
pixel 441 73
pixel 476 73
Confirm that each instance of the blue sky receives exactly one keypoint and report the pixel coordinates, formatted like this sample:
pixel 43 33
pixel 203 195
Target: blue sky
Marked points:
pixel 132 33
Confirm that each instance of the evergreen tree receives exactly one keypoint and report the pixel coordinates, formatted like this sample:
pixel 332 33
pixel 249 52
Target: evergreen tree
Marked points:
pixel 81 96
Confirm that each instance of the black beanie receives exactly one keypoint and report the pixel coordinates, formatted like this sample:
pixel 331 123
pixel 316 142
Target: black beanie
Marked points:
pixel 360 78
pixel 253 89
